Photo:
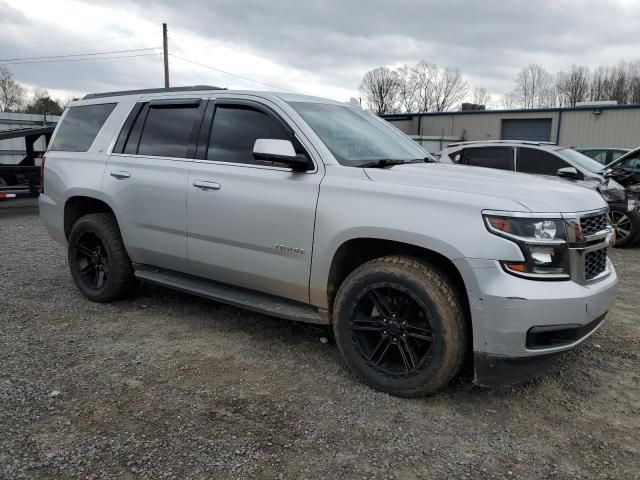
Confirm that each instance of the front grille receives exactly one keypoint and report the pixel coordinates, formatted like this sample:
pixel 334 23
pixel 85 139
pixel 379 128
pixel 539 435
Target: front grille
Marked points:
pixel 595 263
pixel 593 224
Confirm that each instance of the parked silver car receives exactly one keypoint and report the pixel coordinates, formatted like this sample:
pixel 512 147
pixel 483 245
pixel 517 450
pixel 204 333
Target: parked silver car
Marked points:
pixel 317 211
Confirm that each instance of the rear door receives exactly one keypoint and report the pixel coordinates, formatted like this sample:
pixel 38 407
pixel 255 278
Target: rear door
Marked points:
pixel 251 222
pixel 146 178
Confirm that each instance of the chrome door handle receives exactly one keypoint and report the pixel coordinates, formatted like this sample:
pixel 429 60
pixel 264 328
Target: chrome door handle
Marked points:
pixel 204 185
pixel 119 174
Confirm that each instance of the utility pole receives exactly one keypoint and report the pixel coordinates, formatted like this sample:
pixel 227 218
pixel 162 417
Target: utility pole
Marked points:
pixel 165 47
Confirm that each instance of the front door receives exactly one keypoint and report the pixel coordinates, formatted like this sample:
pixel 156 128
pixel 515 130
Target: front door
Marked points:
pixel 251 223
pixel 146 178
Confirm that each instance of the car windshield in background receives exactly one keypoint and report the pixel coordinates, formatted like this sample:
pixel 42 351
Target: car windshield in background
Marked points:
pixel 581 159
pixel 356 137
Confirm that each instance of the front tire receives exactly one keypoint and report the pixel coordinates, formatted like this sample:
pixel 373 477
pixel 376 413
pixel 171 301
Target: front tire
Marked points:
pixel 98 261
pixel 627 226
pixel 400 326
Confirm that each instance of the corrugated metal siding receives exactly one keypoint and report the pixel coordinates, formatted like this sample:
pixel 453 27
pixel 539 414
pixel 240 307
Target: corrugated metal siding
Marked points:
pixel 579 128
pixel 11 121
pixel 612 128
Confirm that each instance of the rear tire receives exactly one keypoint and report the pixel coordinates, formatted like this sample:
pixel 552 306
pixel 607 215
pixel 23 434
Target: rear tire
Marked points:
pixel 627 225
pixel 98 261
pixel 400 326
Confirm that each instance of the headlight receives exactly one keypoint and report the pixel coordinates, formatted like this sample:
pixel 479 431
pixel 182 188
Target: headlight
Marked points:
pixel 543 243
pixel 612 191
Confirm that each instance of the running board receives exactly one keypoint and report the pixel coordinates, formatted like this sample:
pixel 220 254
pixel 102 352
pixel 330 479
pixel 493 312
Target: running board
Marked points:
pixel 236 296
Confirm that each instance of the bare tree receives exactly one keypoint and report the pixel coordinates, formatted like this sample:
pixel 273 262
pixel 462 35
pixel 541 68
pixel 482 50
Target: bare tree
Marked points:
pixel 407 95
pixel 42 103
pixel 509 101
pixel 449 89
pixel 573 87
pixel 12 95
pixel 424 74
pixel 380 90
pixel 481 96
pixel 534 87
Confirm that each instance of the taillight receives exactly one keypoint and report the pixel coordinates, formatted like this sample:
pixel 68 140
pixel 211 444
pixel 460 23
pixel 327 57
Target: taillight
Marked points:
pixel 44 157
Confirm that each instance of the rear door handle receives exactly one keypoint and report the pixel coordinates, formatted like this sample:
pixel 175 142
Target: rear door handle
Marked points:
pixel 204 185
pixel 119 174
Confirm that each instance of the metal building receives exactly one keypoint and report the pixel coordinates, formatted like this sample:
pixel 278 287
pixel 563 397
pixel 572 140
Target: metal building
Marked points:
pixel 12 151
pixel 587 126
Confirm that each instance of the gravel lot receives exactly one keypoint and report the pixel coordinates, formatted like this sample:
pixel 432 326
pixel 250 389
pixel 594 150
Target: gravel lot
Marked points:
pixel 165 385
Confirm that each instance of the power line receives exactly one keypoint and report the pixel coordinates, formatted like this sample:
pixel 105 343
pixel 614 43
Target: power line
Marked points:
pixel 84 59
pixel 36 47
pixel 229 73
pixel 78 54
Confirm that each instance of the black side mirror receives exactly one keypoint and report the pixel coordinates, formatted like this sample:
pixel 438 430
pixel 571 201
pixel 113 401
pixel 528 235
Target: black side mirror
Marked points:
pixel 280 151
pixel 569 173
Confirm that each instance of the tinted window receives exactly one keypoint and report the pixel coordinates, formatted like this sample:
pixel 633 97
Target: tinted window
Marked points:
pixel 539 162
pixel 167 131
pixel 616 154
pixel 632 164
pixel 494 157
pixel 80 127
pixel 235 130
pixel 597 155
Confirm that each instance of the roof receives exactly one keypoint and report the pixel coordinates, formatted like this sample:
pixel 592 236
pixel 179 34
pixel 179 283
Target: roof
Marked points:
pixel 409 116
pixel 204 90
pixel 119 93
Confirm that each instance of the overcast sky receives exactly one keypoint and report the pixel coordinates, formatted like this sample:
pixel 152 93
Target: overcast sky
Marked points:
pixel 321 48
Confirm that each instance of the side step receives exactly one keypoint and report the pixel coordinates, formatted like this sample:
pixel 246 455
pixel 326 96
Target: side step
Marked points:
pixel 236 296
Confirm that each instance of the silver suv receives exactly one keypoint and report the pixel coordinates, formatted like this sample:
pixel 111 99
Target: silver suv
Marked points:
pixel 317 211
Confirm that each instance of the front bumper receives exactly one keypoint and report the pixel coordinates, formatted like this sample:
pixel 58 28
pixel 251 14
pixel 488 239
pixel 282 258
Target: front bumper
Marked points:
pixel 520 324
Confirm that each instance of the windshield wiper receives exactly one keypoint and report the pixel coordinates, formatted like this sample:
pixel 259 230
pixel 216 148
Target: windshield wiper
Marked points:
pixel 388 162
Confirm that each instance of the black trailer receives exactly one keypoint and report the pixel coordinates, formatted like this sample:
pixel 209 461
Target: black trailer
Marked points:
pixel 23 179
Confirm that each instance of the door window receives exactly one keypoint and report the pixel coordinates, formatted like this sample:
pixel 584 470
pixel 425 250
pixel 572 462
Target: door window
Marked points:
pixel 235 131
pixel 167 131
pixel 490 157
pixel 632 164
pixel 539 162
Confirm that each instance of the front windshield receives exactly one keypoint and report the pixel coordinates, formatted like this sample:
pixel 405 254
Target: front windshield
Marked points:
pixel 581 159
pixel 356 137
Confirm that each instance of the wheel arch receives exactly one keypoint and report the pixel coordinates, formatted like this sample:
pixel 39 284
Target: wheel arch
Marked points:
pixel 77 206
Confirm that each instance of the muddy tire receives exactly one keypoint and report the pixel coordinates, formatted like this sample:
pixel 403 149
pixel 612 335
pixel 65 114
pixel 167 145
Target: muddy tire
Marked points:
pixel 400 326
pixel 98 261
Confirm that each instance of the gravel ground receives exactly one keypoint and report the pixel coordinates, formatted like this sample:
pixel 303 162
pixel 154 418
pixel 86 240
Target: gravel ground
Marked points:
pixel 165 385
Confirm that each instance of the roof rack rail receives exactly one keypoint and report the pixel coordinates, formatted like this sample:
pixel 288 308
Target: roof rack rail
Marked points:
pixel 525 142
pixel 191 88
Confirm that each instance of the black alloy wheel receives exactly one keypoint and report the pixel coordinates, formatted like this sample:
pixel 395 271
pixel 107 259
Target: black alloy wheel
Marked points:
pixel 390 330
pixel 92 260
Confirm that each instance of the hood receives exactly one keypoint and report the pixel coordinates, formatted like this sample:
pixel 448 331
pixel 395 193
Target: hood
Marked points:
pixel 535 193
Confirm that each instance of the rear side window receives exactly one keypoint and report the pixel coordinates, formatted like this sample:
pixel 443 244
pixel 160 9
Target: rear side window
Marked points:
pixel 539 162
pixel 235 130
pixel 167 131
pixel 490 157
pixel 80 127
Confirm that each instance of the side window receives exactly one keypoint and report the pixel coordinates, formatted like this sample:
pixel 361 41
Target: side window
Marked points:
pixel 632 164
pixel 616 154
pixel 456 156
pixel 490 157
pixel 167 130
pixel 598 155
pixel 235 131
pixel 80 127
pixel 539 162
